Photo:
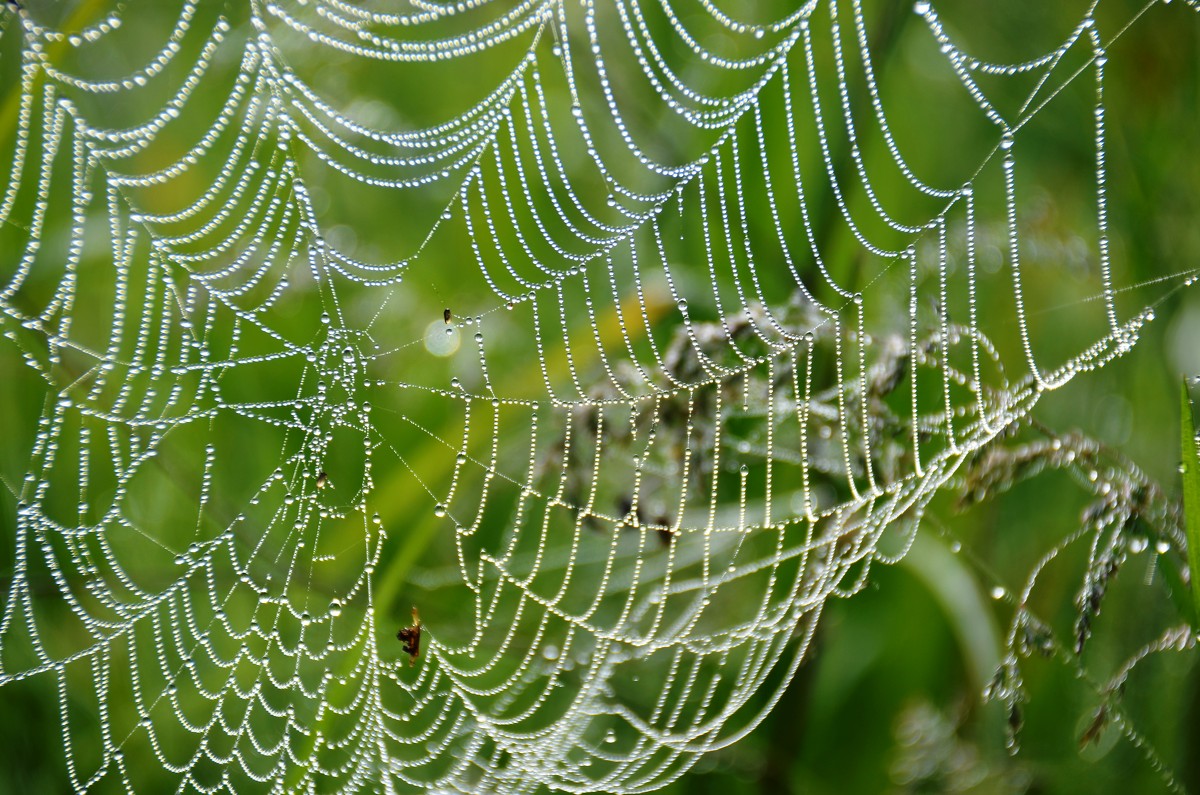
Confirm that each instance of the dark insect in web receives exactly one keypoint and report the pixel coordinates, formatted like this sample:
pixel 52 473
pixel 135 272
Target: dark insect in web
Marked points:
pixel 411 637
pixel 446 315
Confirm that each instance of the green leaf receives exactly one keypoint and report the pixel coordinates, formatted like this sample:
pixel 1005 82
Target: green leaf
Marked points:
pixel 1191 493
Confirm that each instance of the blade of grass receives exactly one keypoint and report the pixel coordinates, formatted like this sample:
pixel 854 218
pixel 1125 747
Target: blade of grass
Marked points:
pixel 1191 492
pixel 959 595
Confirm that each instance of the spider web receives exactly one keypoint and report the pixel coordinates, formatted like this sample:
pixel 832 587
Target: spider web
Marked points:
pixel 712 346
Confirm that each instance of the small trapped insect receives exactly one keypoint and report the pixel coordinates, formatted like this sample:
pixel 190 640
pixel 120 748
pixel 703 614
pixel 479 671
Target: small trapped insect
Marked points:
pixel 323 480
pixel 1095 728
pixel 411 637
pixel 446 315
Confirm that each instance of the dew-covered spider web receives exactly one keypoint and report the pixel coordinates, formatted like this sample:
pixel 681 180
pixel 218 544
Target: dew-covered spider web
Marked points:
pixel 614 338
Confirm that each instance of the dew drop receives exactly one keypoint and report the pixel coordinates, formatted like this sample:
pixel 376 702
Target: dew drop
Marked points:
pixel 440 339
